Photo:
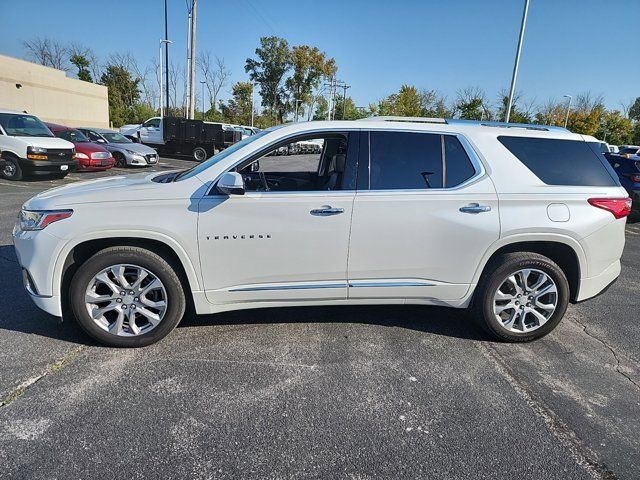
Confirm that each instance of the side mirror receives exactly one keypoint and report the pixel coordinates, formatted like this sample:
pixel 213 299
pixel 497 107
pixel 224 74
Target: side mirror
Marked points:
pixel 231 183
pixel 255 166
pixel 100 140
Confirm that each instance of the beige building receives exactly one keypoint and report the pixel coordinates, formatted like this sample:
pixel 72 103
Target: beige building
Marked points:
pixel 51 95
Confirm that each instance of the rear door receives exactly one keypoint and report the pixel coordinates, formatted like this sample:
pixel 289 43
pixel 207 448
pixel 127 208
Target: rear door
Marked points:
pixel 426 216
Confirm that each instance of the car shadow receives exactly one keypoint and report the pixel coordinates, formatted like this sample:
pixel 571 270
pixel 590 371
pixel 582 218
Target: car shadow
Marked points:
pixel 19 314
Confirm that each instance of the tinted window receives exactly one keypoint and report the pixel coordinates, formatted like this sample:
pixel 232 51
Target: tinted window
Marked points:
pixel 459 166
pixel 560 162
pixel 72 135
pixel 403 160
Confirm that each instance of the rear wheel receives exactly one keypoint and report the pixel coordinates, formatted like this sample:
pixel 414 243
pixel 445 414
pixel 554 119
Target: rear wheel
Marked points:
pixel 199 154
pixel 11 169
pixel 127 297
pixel 521 297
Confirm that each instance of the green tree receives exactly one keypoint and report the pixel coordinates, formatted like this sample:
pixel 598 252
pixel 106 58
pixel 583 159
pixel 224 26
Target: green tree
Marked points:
pixel 517 115
pixel 587 115
pixel 616 128
pixel 322 109
pixel 310 67
pixel 238 108
pixel 124 94
pixel 470 104
pixel 268 70
pixel 634 110
pixel 82 64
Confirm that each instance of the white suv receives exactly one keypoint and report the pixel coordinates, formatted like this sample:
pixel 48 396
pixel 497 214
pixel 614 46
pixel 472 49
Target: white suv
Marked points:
pixel 515 221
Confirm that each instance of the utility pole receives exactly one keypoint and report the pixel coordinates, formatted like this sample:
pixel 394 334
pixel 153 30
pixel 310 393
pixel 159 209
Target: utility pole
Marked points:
pixel 203 104
pixel 331 86
pixel 166 43
pixel 344 98
pixel 166 52
pixel 192 62
pixel 253 103
pixel 566 117
pixel 517 62
pixel 297 102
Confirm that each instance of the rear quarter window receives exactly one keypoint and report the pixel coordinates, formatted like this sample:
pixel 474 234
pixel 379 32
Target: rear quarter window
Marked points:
pixel 561 162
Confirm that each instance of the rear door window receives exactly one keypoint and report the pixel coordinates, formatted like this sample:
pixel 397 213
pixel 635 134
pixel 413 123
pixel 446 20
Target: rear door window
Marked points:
pixel 405 160
pixel 561 162
pixel 459 168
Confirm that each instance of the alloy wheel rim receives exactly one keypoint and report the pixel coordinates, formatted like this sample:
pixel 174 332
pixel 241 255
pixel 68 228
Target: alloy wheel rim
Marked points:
pixel 525 300
pixel 126 300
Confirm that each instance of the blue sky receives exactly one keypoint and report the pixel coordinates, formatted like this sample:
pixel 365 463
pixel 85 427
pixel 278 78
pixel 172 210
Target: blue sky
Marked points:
pixel 570 46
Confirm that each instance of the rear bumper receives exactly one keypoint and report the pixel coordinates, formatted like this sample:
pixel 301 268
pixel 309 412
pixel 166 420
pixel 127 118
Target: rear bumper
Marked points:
pixel 46 166
pixel 592 286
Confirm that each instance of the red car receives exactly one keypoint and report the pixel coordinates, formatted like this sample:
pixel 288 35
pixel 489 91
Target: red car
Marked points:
pixel 90 156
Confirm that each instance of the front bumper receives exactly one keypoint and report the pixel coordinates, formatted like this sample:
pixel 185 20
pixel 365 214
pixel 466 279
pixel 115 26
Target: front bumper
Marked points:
pixel 94 165
pixel 37 252
pixel 47 166
pixel 141 160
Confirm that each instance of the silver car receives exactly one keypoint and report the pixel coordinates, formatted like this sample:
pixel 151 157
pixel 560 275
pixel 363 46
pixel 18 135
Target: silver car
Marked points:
pixel 123 150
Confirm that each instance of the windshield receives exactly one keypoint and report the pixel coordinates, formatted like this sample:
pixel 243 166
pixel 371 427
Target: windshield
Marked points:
pixel 201 167
pixel 18 125
pixel 72 135
pixel 113 137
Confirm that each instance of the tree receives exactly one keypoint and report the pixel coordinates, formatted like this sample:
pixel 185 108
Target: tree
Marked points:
pixel 551 113
pixel 215 74
pixel 47 52
pixel 634 110
pixel 521 112
pixel 124 93
pixel 587 114
pixel 615 128
pixel 82 63
pixel 238 108
pixel 470 103
pixel 268 70
pixel 322 109
pixel 310 68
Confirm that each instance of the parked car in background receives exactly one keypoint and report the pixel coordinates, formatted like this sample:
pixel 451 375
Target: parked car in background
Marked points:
pixel 629 150
pixel 30 148
pixel 124 151
pixel 627 167
pixel 513 221
pixel 91 157
pixel 613 149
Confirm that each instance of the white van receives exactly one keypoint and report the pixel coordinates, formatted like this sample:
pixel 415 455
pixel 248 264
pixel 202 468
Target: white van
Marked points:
pixel 29 148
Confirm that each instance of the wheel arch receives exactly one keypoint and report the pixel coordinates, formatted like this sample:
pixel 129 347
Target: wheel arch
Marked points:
pixel 76 254
pixel 564 251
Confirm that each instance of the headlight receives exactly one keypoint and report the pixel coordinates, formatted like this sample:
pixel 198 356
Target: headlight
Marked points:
pixel 37 220
pixel 82 155
pixel 37 153
pixel 133 153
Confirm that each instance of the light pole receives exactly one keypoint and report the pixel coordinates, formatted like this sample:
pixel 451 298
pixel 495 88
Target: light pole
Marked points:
pixel 297 102
pixel 160 75
pixel 566 117
pixel 253 103
pixel 203 82
pixel 517 62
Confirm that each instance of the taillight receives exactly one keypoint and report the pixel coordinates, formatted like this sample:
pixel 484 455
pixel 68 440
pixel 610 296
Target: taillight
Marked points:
pixel 635 178
pixel 619 207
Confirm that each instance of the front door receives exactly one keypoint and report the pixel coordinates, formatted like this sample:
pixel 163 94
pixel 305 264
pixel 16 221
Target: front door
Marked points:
pixel 426 220
pixel 151 132
pixel 286 238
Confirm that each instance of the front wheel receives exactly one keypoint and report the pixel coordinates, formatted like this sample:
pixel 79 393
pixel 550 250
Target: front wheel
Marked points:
pixel 127 297
pixel 121 162
pixel 522 297
pixel 11 169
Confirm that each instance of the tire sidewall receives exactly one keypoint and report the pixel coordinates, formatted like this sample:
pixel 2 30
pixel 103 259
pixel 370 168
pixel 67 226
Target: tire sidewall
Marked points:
pixel 497 278
pixel 121 161
pixel 17 171
pixel 203 154
pixel 157 266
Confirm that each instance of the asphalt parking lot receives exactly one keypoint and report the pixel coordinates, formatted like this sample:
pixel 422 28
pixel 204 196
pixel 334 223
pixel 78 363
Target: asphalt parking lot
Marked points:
pixel 358 392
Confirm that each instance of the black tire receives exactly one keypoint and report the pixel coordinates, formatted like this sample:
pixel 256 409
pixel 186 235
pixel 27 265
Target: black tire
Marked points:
pixel 121 162
pixel 11 169
pixel 495 274
pixel 199 154
pixel 127 255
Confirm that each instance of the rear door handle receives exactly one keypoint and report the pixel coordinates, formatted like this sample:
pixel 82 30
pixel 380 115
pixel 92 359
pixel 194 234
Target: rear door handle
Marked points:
pixel 475 208
pixel 326 211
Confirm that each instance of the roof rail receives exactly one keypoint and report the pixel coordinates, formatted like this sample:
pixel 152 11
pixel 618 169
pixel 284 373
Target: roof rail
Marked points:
pixel 528 126
pixel 460 121
pixel 391 118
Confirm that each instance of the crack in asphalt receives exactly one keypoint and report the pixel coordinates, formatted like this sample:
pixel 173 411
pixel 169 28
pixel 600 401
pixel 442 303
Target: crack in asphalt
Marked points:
pixel 581 453
pixel 612 350
pixel 54 367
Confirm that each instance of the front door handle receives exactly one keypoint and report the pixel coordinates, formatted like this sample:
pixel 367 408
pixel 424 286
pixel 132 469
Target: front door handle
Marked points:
pixel 475 208
pixel 326 211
